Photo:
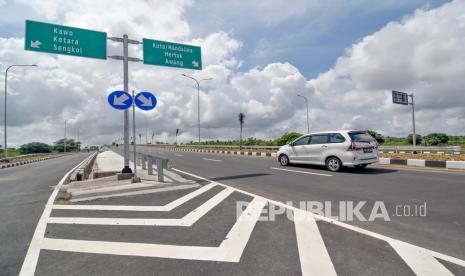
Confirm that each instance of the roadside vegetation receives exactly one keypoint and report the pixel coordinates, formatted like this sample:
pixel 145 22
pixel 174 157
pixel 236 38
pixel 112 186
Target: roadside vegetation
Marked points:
pixel 34 149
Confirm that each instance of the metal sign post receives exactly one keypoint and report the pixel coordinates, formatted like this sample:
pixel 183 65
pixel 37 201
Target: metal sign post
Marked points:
pixel 402 98
pixel 125 58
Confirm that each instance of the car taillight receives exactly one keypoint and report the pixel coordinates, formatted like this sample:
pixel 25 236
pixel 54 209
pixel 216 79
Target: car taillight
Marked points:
pixel 354 146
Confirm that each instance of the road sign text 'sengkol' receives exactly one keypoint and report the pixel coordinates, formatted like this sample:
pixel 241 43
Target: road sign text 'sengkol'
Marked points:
pixel 171 54
pixel 58 39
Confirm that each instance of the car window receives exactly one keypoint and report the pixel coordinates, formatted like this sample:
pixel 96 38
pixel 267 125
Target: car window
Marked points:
pixel 319 139
pixel 301 141
pixel 336 138
pixel 361 137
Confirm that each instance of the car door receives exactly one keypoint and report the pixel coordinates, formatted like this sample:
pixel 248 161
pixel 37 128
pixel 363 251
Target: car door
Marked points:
pixel 317 147
pixel 298 150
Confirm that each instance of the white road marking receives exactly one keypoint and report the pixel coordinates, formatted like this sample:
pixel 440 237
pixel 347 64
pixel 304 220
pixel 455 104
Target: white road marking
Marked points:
pixel 435 254
pixel 314 258
pixel 296 171
pixel 419 260
pixel 187 220
pixel 141 192
pixel 179 155
pixel 32 255
pixel 230 250
pixel 76 192
pixel 214 160
pixel 165 208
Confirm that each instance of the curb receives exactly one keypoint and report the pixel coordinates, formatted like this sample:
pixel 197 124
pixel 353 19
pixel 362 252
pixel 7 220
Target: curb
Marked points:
pixel 423 163
pixel 20 163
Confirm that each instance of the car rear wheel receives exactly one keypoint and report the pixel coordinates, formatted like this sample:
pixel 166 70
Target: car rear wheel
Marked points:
pixel 333 164
pixel 283 160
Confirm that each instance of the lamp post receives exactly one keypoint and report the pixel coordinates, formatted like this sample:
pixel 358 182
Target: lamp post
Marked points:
pixel 6 92
pixel 198 97
pixel 306 103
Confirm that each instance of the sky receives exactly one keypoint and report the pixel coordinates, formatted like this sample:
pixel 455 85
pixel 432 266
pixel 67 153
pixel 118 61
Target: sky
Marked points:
pixel 345 56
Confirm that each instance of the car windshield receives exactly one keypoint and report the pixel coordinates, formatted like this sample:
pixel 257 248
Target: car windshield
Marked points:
pixel 361 137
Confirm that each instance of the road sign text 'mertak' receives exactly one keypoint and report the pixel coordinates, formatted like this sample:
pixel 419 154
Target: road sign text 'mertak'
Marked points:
pixel 58 39
pixel 171 54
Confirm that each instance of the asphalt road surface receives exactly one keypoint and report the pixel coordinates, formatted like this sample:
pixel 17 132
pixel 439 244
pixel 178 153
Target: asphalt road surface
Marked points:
pixel 24 193
pixel 404 193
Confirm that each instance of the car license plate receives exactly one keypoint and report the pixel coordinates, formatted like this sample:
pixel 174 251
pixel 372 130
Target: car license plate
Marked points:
pixel 367 150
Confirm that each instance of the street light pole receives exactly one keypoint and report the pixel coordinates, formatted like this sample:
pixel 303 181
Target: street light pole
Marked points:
pixel 198 97
pixel 306 103
pixel 6 92
pixel 414 135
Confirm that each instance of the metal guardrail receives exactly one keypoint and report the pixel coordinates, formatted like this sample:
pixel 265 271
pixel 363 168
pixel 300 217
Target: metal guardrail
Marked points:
pixel 392 148
pixel 421 148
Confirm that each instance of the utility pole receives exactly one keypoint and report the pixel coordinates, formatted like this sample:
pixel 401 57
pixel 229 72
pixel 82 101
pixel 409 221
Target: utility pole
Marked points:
pixel 306 104
pixel 198 97
pixel 125 58
pixel 5 113
pixel 146 131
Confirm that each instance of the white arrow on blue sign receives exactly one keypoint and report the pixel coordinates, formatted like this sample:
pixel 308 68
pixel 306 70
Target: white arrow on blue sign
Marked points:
pixel 145 101
pixel 120 100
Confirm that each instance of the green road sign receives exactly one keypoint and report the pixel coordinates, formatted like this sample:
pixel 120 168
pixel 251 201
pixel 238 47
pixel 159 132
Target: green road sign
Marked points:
pixel 170 54
pixel 57 39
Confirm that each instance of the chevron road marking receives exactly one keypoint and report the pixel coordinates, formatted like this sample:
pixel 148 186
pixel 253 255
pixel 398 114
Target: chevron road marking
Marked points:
pixel 420 261
pixel 140 192
pixel 76 192
pixel 407 256
pixel 165 208
pixel 187 220
pixel 230 250
pixel 314 258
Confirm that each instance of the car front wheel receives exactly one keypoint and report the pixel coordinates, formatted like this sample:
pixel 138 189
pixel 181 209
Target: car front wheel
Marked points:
pixel 283 160
pixel 333 164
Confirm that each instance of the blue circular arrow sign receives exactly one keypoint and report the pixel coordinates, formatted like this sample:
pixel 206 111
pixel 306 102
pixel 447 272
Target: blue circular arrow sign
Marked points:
pixel 120 100
pixel 145 101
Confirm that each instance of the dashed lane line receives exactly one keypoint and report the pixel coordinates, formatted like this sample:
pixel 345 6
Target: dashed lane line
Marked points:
pixel 296 171
pixel 213 160
pixel 165 208
pixel 187 220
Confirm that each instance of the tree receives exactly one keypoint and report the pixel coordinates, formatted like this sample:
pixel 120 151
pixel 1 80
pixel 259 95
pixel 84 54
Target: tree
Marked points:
pixel 287 138
pixel 434 139
pixel 241 118
pixel 378 136
pixel 418 139
pixel 35 147
pixel 71 145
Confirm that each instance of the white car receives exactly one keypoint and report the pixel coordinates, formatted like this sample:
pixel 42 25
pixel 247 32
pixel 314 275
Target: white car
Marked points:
pixel 333 149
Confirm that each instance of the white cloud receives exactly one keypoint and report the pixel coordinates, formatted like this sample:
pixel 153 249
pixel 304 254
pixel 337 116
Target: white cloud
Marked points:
pixel 422 54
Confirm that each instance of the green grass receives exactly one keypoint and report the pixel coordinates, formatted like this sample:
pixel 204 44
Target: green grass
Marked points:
pixel 11 153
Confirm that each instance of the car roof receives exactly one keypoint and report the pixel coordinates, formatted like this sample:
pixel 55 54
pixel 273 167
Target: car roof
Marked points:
pixel 334 131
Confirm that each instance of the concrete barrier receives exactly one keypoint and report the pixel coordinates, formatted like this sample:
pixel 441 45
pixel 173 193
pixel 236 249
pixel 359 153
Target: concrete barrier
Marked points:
pixel 455 164
pixel 416 162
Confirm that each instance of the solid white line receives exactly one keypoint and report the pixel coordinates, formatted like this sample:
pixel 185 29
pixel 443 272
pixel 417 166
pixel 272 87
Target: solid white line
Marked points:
pixel 442 256
pixel 314 258
pixel 230 250
pixel 165 208
pixel 32 255
pixel 420 261
pixel 312 173
pixel 141 192
pixel 187 220
pixel 214 160
pixel 179 155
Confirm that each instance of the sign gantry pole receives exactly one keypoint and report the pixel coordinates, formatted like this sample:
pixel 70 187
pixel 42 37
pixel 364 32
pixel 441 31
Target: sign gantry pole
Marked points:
pixel 125 58
pixel 414 137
